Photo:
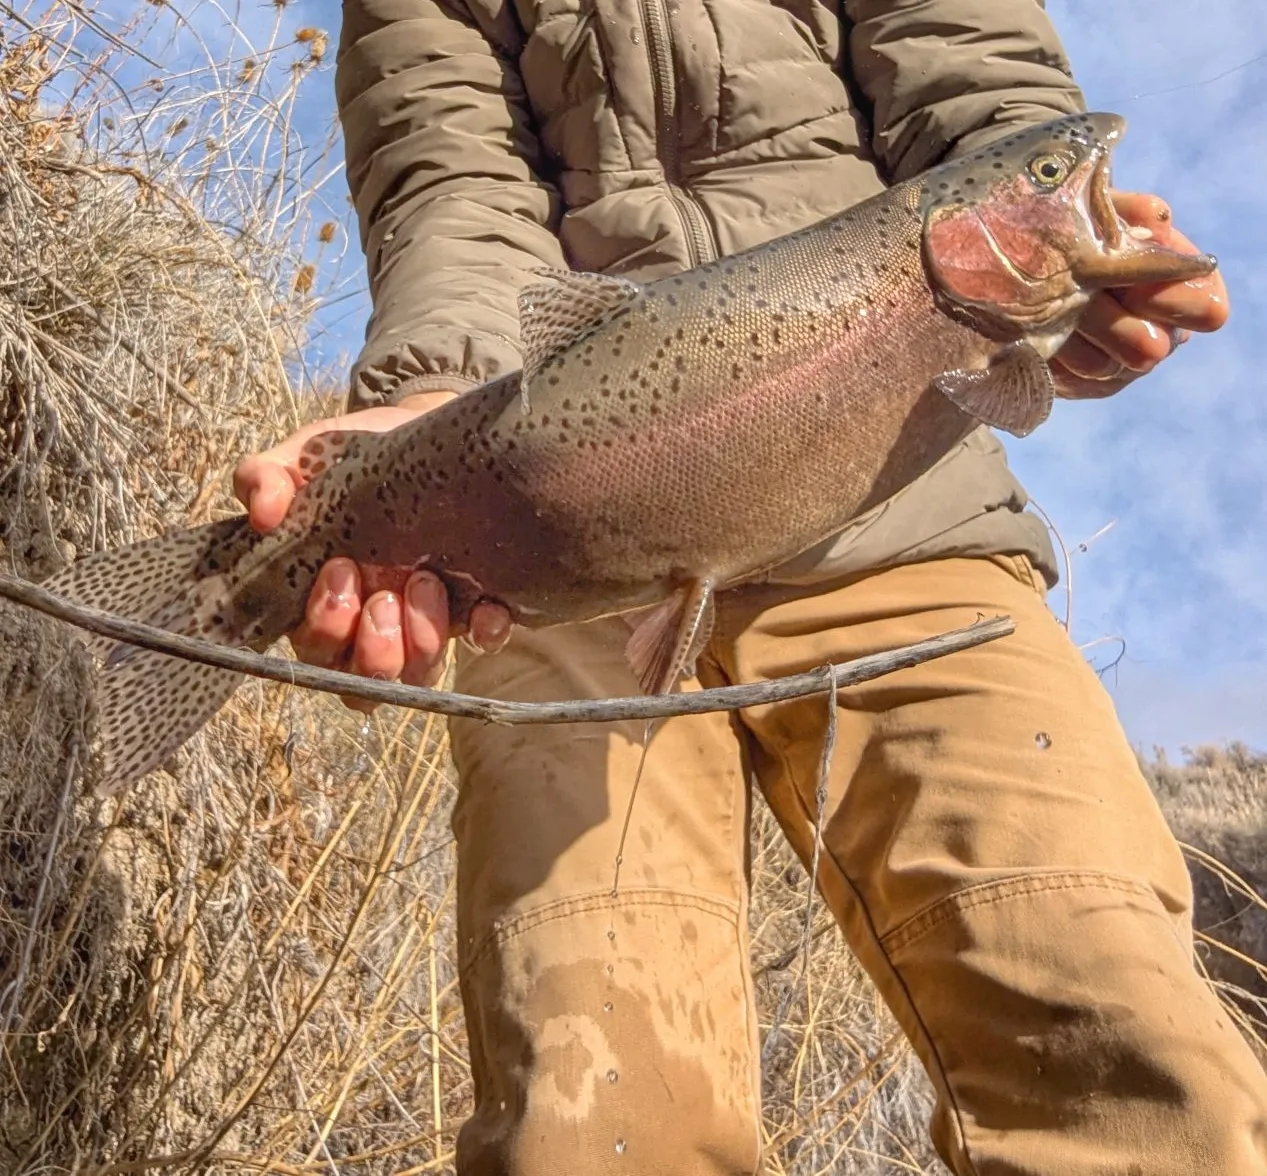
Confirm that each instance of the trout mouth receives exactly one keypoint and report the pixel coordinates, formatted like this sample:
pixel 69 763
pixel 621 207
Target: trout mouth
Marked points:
pixel 1116 257
pixel 1104 219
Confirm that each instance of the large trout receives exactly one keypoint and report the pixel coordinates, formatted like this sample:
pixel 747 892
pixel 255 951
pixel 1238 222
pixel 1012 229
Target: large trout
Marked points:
pixel 666 441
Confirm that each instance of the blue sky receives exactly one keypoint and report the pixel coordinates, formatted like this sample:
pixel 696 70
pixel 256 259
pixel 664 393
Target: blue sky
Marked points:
pixel 1173 462
pixel 1175 459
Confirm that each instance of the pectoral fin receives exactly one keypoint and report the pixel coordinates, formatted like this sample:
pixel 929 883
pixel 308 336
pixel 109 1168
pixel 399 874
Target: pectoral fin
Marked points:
pixel 1014 393
pixel 670 637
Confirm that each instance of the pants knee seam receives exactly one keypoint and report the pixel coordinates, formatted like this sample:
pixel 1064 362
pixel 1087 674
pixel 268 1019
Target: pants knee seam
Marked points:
pixel 830 859
pixel 503 931
pixel 1003 890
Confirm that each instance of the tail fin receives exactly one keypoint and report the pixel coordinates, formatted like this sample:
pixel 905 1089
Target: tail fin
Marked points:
pixel 149 704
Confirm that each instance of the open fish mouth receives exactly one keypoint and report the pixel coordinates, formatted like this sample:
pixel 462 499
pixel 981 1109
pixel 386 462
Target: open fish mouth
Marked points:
pixel 1117 256
pixel 1104 219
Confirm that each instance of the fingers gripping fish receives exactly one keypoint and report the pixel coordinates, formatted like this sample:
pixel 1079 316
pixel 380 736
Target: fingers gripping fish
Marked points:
pixel 684 435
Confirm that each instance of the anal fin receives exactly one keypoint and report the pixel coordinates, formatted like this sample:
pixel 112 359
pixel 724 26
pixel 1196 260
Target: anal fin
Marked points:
pixel 670 637
pixel 1014 393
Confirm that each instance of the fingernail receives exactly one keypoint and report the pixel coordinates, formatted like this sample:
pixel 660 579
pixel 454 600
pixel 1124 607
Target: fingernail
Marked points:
pixel 490 625
pixel 341 580
pixel 384 615
pixel 426 593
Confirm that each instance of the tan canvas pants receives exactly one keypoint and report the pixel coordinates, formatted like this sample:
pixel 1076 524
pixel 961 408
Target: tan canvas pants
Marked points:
pixel 990 849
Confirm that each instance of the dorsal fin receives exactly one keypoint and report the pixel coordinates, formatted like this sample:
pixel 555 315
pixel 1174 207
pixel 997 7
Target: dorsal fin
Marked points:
pixel 560 311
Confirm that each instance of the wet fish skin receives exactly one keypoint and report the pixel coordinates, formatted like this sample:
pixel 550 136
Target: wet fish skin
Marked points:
pixel 682 436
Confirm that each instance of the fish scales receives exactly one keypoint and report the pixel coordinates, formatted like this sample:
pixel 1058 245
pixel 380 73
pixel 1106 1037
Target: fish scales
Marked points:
pixel 666 441
pixel 718 416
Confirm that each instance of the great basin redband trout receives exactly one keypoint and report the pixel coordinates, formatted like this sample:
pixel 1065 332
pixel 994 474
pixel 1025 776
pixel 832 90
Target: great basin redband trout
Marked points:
pixel 669 440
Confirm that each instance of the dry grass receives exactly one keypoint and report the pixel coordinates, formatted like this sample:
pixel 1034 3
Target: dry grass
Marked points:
pixel 1215 805
pixel 246 965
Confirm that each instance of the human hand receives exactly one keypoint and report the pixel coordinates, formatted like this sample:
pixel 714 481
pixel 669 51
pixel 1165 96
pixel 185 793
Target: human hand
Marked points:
pixel 383 634
pixel 1125 333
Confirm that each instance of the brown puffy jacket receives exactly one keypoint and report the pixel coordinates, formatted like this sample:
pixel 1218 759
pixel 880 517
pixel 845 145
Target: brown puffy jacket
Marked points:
pixel 485 139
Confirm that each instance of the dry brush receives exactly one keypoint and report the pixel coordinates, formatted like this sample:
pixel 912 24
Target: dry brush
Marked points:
pixel 246 964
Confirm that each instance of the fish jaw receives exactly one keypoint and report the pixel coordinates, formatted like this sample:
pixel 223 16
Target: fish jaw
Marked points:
pixel 1118 258
pixel 1019 236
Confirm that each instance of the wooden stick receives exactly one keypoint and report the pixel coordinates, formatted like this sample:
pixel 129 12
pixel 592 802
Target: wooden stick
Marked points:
pixel 468 706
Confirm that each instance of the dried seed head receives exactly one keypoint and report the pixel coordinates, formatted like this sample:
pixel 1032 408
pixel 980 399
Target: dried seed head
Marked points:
pixel 303 278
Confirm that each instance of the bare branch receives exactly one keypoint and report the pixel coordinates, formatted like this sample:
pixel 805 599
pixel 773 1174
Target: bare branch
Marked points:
pixel 725 698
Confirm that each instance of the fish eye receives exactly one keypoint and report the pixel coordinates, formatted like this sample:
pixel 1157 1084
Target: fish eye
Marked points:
pixel 1049 170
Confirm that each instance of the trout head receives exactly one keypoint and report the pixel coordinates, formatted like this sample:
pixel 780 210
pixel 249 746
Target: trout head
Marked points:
pixel 1019 235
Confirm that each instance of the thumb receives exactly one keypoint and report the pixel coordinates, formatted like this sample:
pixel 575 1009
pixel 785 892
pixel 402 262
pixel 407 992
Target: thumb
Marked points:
pixel 266 488
pixel 1145 211
pixel 265 483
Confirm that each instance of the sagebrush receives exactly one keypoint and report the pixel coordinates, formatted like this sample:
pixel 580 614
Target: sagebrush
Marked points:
pixel 246 964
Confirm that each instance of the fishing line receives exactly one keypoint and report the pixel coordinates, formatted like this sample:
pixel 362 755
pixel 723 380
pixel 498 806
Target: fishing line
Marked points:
pixel 633 794
pixel 1248 63
pixel 820 819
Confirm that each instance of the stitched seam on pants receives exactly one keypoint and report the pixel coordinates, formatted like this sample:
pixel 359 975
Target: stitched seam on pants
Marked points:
pixel 829 858
pixel 564 908
pixel 1003 890
pixel 711 671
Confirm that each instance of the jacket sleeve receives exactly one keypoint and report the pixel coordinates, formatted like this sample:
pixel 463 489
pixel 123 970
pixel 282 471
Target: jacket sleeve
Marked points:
pixel 443 167
pixel 943 77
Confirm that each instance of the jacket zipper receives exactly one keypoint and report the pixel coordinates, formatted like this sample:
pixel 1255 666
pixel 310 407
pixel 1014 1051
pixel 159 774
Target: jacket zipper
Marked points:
pixel 700 245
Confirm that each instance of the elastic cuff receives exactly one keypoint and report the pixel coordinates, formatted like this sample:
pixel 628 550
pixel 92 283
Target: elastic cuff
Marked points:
pixel 362 397
pixel 438 383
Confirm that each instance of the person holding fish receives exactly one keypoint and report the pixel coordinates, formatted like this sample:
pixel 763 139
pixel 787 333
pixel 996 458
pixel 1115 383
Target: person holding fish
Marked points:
pixel 990 848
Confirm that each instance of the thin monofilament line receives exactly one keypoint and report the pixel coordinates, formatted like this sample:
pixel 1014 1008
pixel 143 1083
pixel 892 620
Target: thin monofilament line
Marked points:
pixel 820 812
pixel 830 684
pixel 633 794
pixel 721 698
pixel 820 819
